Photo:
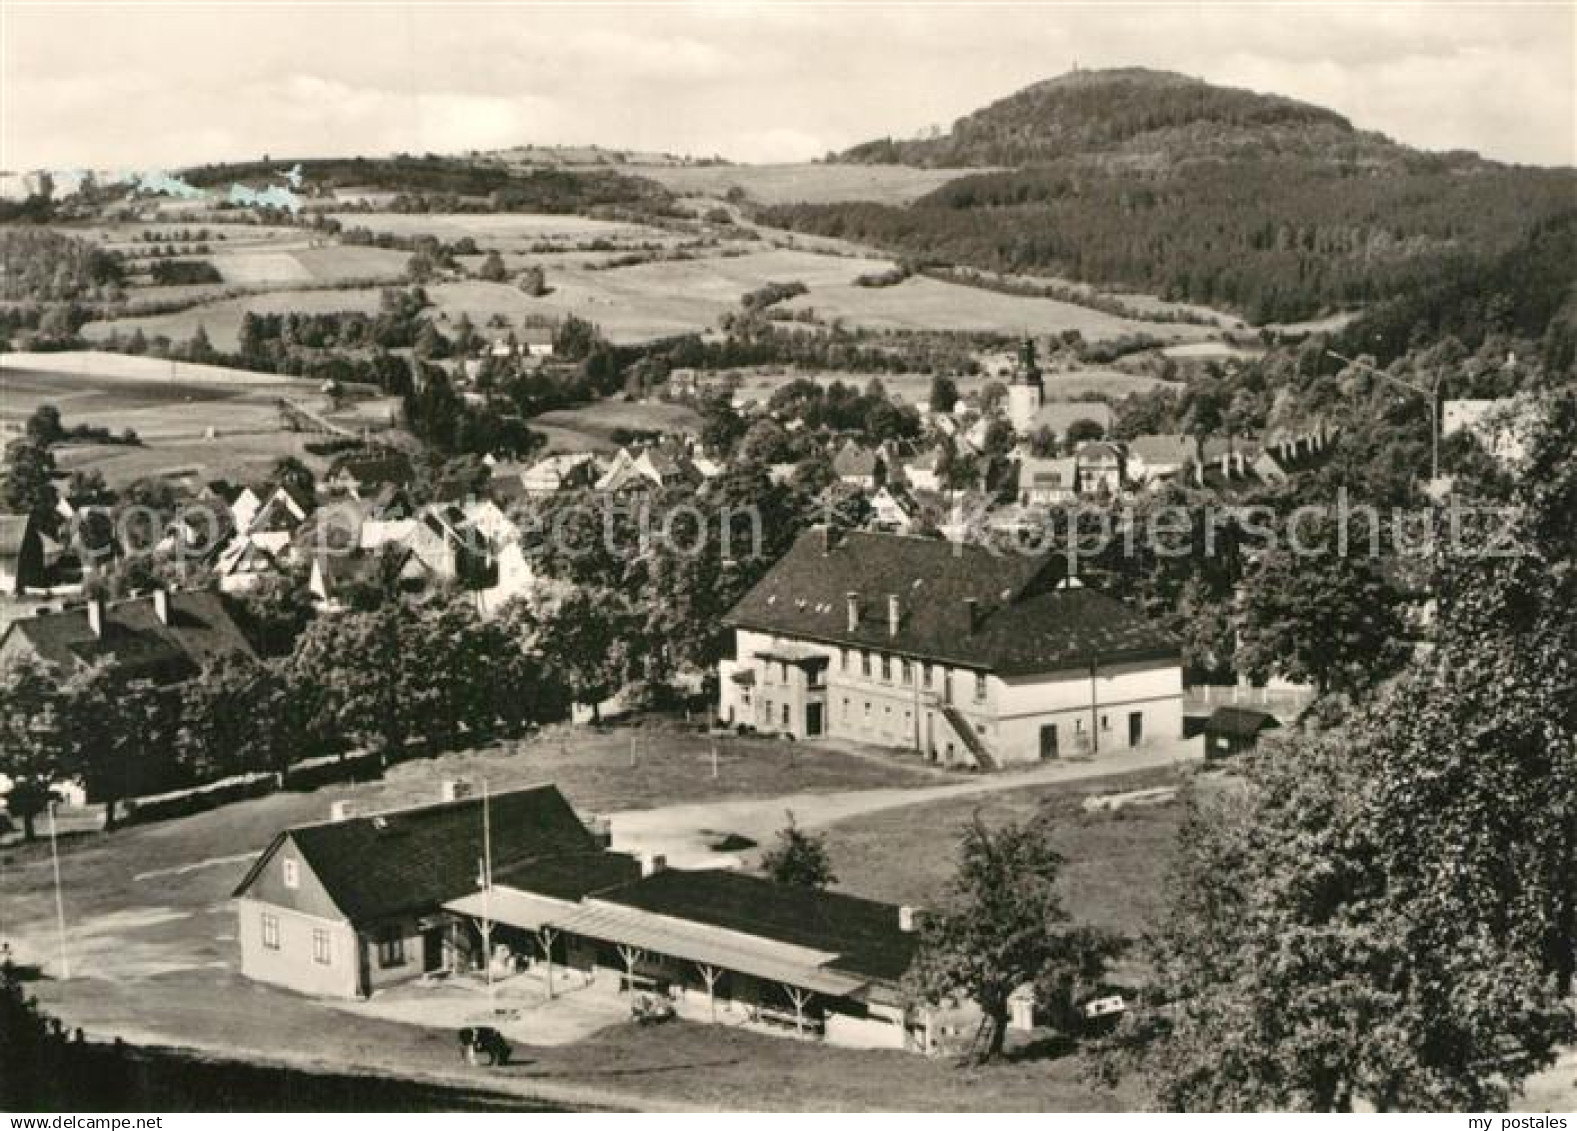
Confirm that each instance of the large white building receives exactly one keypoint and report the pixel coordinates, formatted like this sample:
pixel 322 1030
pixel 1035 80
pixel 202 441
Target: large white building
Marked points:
pixel 963 654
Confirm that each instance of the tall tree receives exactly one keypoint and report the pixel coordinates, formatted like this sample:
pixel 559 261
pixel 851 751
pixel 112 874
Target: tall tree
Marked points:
pixel 1002 926
pixel 33 741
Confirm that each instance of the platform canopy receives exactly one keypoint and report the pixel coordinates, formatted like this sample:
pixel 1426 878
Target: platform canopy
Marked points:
pixel 513 908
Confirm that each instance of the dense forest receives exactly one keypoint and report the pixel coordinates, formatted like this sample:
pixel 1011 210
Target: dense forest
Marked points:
pixel 1131 114
pixel 453 183
pixel 1275 238
pixel 1262 205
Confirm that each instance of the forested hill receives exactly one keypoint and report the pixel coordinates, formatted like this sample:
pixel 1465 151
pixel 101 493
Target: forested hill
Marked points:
pixel 1268 207
pixel 1135 116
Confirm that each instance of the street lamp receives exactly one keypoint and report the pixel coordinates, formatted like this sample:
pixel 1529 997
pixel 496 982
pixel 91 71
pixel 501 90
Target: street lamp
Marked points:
pixel 1434 406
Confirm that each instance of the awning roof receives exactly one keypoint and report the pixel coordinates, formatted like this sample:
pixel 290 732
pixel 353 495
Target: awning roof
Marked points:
pixel 731 950
pixel 658 934
pixel 746 678
pixel 513 908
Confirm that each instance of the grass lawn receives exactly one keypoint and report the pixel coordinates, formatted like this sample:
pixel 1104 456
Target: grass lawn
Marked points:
pixel 921 303
pixel 222 320
pixel 503 231
pixel 804 184
pixel 1115 862
pixel 597 422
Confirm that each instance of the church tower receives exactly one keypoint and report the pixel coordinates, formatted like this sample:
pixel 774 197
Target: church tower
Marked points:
pixel 1025 390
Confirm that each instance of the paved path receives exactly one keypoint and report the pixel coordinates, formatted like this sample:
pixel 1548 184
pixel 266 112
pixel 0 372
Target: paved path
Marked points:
pixel 681 832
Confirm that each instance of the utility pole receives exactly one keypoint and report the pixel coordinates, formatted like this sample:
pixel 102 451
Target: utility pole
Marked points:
pixel 1432 393
pixel 60 905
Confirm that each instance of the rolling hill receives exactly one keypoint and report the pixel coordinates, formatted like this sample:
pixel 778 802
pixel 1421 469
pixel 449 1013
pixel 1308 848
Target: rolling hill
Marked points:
pixel 1132 178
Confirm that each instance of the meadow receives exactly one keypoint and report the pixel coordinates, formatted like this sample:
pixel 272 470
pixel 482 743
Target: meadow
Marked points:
pixel 192 419
pixel 802 184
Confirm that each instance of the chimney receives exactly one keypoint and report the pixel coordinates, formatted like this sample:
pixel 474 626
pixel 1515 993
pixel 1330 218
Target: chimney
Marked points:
pixel 96 616
pixel 906 919
pixel 161 605
pixel 652 863
pixel 342 810
pixel 854 611
pixel 454 789
pixel 971 613
pixel 601 830
pixel 893 611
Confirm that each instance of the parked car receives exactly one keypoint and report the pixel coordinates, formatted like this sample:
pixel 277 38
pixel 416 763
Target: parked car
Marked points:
pixel 483 1044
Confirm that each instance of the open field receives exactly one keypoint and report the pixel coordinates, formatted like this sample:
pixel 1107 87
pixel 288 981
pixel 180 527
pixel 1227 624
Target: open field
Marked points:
pixel 309 264
pixel 508 231
pixel 222 320
pixel 591 427
pixel 920 303
pixel 1116 862
pixel 203 418
pixel 632 304
pixel 803 184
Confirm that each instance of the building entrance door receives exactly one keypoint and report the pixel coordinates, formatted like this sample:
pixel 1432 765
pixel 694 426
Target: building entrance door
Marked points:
pixel 1135 727
pixel 1048 742
pixel 812 719
pixel 432 950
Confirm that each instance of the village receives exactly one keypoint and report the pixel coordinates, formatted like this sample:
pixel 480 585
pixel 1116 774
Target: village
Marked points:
pixel 1067 613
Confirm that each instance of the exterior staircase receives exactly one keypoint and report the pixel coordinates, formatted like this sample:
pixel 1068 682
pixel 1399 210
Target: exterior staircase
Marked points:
pixel 966 735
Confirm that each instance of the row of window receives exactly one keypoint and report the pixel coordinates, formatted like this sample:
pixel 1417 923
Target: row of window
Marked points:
pixel 869 663
pixel 391 950
pixel 322 941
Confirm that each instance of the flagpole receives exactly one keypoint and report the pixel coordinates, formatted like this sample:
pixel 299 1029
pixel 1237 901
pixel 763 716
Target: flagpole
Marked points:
pixel 487 883
pixel 60 906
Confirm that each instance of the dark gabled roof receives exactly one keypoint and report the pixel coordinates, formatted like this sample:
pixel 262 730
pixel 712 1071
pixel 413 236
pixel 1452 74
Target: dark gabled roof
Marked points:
pixel 377 470
pixel 571 876
pixel 1024 623
pixel 200 631
pixel 1240 722
pixel 412 860
pixel 863 933
pixel 853 459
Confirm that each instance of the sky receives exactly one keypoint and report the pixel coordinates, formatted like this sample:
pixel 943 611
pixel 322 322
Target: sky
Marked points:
pixel 145 85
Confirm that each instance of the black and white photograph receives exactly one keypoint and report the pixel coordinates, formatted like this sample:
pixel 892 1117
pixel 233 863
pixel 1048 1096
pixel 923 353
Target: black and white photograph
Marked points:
pixel 777 556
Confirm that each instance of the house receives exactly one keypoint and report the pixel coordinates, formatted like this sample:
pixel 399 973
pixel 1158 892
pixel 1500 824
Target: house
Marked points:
pixel 651 469
pixel 1160 456
pixel 896 511
pixel 21 554
pixel 244 505
pixel 857 465
pixel 1231 730
pixel 345 907
pixel 367 475
pixel 921 472
pixel 948 649
pixel 1100 466
pixel 350 906
pixel 1048 482
pixel 166 636
pixel 335 577
pixel 445 541
pixel 243 564
pixel 278 518
pixel 571 471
